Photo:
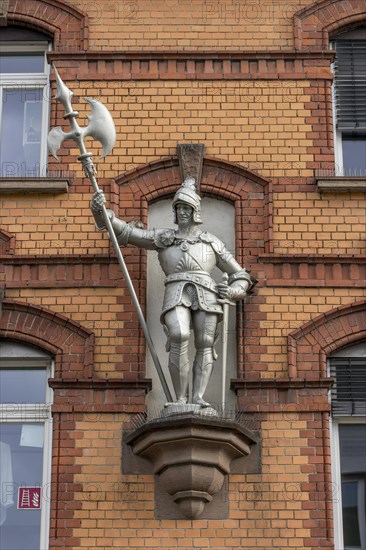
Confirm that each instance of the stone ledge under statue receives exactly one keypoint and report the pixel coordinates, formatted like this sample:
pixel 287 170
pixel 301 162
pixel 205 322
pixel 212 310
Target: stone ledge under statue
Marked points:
pixel 191 455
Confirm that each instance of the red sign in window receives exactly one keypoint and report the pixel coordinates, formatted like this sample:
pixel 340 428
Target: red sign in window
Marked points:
pixel 29 498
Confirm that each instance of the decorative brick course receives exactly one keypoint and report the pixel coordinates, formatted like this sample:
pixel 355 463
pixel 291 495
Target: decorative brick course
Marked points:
pixel 152 66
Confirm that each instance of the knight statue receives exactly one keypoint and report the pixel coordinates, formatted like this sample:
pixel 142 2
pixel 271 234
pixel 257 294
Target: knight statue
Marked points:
pixel 192 299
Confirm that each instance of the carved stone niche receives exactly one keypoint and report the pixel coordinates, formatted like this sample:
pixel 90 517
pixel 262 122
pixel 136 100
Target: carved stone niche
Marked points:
pixel 191 455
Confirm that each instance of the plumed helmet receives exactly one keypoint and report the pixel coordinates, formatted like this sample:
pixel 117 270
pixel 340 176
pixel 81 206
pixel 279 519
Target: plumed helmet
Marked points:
pixel 186 194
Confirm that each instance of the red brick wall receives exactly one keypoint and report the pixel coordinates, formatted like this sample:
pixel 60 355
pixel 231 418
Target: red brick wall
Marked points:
pixel 262 106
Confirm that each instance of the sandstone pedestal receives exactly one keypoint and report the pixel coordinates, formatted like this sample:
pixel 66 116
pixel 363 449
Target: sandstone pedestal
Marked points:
pixel 191 454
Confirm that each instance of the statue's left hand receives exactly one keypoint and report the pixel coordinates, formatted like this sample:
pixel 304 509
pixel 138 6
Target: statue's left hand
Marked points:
pixel 225 292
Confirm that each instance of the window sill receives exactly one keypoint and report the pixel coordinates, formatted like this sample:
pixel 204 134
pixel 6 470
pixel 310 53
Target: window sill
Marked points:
pixel 53 186
pixel 341 184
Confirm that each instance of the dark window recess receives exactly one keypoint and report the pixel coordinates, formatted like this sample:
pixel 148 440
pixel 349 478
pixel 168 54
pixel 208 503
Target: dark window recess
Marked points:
pixel 349 390
pixel 13 33
pixel 350 84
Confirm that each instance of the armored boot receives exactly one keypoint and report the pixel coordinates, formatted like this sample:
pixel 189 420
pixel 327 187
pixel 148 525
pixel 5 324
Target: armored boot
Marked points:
pixel 202 369
pixel 179 370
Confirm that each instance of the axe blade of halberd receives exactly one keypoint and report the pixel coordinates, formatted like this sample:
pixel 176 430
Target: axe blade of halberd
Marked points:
pixel 101 126
pixel 55 138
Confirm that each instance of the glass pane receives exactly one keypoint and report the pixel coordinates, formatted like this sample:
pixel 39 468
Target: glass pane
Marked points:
pixel 23 385
pixel 354 155
pixel 21 451
pixel 14 63
pixel 352 442
pixel 21 128
pixel 351 530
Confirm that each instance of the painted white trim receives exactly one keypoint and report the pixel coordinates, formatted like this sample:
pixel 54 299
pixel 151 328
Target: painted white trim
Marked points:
pixel 47 463
pixel 336 482
pixel 337 135
pixel 336 479
pixel 46 485
pixel 338 152
pixel 46 109
pixel 39 413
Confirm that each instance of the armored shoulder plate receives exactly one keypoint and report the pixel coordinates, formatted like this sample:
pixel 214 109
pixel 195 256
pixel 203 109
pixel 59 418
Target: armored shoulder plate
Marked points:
pixel 164 237
pixel 218 246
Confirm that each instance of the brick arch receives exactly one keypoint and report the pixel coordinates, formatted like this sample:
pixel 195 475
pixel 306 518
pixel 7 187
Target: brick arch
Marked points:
pixel 314 24
pixel 309 346
pixel 71 345
pixel 247 191
pixel 67 25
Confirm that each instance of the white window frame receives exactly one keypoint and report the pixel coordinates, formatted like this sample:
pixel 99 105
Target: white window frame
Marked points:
pixel 30 81
pixel 35 413
pixel 337 138
pixel 356 350
pixel 336 478
pixel 337 134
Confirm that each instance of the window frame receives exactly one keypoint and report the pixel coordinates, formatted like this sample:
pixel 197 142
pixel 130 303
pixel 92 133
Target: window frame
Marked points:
pixel 39 81
pixel 334 423
pixel 338 133
pixel 336 476
pixel 34 414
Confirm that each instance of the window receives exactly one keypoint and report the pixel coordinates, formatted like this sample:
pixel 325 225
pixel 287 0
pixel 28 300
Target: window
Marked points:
pixel 23 103
pixel 348 397
pixel 25 447
pixel 350 102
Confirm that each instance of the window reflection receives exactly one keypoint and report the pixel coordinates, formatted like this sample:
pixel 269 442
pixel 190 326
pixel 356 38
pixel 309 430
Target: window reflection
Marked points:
pixel 21 128
pixel 351 529
pixel 23 385
pixel 14 63
pixel 354 155
pixel 21 449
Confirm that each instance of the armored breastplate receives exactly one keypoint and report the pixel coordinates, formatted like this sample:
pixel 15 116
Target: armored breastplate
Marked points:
pixel 187 255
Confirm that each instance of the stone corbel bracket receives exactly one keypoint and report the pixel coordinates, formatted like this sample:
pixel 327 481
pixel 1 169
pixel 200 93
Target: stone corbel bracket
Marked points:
pixel 191 455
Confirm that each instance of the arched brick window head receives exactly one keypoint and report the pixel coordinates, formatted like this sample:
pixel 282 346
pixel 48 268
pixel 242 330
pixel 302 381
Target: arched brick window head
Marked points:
pixel 70 344
pixel 315 24
pixel 67 25
pixel 309 346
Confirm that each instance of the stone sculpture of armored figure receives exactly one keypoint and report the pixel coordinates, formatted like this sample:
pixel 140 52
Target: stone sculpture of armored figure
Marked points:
pixel 187 256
